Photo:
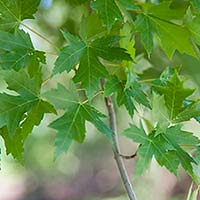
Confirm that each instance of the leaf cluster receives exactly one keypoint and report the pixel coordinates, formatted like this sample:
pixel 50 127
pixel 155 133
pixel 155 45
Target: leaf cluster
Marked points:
pixel 101 61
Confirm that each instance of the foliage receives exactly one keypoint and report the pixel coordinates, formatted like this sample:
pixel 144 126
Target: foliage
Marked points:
pixel 105 47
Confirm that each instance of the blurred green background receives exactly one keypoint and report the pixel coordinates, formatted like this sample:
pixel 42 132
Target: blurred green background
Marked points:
pixel 88 171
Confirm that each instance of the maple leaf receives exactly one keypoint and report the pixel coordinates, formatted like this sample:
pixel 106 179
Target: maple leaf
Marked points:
pixel 171 36
pixel 176 137
pixel 87 55
pixel 160 112
pixel 92 70
pixel 165 146
pixel 21 112
pixel 150 145
pixel 61 97
pixel 69 55
pixel 123 95
pixel 146 28
pixel 104 48
pixel 13 12
pixel 191 110
pixel 192 23
pixel 71 125
pixel 17 51
pixel 125 92
pixel 91 28
pixel 174 95
pixel 13 145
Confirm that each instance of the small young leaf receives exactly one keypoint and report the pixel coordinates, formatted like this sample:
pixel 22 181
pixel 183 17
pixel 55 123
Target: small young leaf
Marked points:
pixel 174 95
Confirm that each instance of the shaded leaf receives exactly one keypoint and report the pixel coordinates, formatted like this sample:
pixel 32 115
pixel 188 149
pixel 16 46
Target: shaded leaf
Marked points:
pixel 13 12
pixel 108 12
pixel 18 51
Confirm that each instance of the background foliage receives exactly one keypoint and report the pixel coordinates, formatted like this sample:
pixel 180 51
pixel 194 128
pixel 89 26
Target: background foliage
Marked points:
pixel 148 53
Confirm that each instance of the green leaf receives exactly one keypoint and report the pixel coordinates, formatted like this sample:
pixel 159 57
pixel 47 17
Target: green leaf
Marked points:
pixel 62 143
pixel 145 153
pixel 104 48
pixel 108 12
pixel 94 116
pixel 124 98
pixel 127 42
pixel 87 55
pixel 13 107
pixel 69 55
pixel 174 95
pixel 13 12
pixel 91 28
pixel 175 136
pixel 19 113
pixel 111 11
pixel 92 70
pixel 129 5
pixel 150 145
pixel 123 95
pixel 111 86
pixel 193 25
pixel 196 166
pixel 160 112
pixel 13 145
pixel 165 146
pixel 190 111
pixel 159 20
pixel 125 92
pixel 165 158
pixel 28 88
pixel 144 25
pixel 136 90
pixel 61 97
pixel 165 11
pixel 72 125
pixel 18 51
pixel 173 37
pixel 136 134
pixel 181 137
pixel 35 116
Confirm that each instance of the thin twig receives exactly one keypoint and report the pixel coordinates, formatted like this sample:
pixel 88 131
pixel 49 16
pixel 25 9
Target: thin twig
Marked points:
pixel 46 80
pixel 116 148
pixel 128 156
pixel 96 94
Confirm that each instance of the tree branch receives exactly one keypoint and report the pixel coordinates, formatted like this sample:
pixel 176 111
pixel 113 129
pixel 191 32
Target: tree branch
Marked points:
pixel 128 156
pixel 116 148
